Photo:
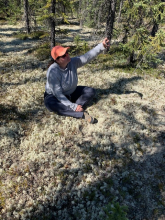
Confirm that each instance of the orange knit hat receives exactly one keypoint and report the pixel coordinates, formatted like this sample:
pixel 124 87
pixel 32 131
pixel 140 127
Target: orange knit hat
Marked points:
pixel 58 51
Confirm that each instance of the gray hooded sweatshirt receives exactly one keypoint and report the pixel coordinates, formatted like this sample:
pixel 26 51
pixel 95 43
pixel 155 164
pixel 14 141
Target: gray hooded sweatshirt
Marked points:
pixel 62 82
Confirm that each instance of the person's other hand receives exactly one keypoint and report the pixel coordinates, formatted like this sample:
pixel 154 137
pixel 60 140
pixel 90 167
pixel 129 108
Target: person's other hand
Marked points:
pixel 79 108
pixel 106 43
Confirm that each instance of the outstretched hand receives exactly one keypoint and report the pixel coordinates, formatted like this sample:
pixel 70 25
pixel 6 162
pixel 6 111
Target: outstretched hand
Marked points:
pixel 106 43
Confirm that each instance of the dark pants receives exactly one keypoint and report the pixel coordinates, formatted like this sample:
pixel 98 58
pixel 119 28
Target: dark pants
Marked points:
pixel 81 96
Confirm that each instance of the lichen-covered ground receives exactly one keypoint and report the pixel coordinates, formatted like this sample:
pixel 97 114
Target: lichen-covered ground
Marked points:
pixel 54 167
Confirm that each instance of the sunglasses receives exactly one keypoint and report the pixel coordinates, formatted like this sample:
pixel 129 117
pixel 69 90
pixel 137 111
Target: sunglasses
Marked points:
pixel 63 56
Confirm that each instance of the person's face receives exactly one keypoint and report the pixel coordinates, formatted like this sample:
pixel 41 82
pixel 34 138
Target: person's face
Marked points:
pixel 63 60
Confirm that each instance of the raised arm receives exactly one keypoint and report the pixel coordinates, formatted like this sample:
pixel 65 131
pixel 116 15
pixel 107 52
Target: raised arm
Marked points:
pixel 87 57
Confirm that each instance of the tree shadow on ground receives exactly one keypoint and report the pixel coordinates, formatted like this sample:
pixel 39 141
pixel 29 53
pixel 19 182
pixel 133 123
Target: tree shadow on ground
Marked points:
pixel 10 113
pixel 135 181
pixel 119 87
pixel 127 178
pixel 131 173
pixel 137 184
pixel 23 66
pixel 23 82
pixel 5 30
pixel 17 45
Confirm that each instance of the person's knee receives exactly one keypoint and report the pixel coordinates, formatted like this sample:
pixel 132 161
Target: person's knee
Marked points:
pixel 91 91
pixel 49 107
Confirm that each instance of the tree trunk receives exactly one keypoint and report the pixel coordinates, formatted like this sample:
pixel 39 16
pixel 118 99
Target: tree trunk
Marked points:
pixel 82 10
pixel 119 16
pixel 26 11
pixel 64 11
pixel 154 29
pixel 126 32
pixel 110 19
pixel 6 8
pixel 52 24
pixel 156 25
pixel 100 15
pixel 132 60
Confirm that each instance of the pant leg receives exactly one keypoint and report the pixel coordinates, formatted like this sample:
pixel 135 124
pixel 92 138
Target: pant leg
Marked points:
pixel 53 105
pixel 83 95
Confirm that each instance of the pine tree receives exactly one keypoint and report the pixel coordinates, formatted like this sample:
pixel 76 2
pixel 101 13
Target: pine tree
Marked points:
pixel 137 19
pixel 4 8
pixel 158 10
pixel 10 10
pixel 52 11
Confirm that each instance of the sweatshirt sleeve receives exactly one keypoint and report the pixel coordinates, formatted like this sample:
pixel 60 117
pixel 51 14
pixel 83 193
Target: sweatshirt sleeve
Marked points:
pixel 87 57
pixel 55 85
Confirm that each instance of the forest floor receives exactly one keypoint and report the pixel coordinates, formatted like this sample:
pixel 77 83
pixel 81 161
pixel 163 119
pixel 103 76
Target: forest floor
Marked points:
pixel 54 167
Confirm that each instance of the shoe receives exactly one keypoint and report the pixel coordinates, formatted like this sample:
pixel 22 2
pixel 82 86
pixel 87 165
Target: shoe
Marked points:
pixel 88 118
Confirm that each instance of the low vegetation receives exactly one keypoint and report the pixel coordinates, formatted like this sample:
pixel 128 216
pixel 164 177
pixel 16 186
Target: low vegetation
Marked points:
pixel 55 167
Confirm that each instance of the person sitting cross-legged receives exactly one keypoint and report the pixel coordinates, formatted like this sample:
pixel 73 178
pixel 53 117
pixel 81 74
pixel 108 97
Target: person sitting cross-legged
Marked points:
pixel 62 95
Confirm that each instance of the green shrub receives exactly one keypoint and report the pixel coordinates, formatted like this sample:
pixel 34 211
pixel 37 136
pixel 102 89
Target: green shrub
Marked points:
pixel 43 51
pixel 2 21
pixel 77 40
pixel 38 35
pixel 85 46
pixel 62 32
pixel 33 35
pixel 115 212
pixel 81 46
pixel 21 35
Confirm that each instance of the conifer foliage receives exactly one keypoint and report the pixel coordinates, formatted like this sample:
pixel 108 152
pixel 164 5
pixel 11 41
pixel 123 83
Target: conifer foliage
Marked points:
pixel 138 21
pixel 137 24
